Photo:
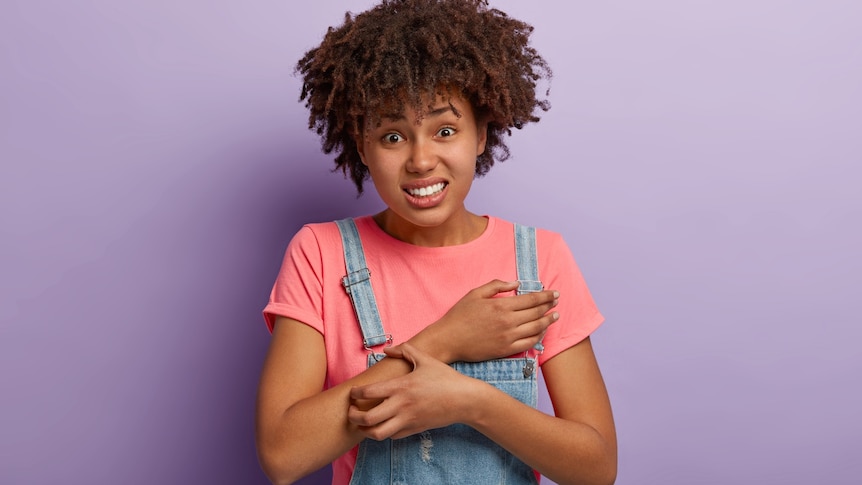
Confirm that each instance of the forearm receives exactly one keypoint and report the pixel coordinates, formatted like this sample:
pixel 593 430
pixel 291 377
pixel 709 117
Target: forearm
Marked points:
pixel 314 431
pixel 301 428
pixel 576 446
pixel 566 451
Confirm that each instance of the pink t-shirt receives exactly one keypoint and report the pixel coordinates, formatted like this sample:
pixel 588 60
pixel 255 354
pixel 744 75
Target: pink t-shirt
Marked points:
pixel 414 286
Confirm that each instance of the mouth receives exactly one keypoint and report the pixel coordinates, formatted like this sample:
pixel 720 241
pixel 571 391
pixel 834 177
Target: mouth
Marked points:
pixel 427 191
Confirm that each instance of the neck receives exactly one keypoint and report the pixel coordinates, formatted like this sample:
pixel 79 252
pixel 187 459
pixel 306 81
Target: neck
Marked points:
pixel 454 231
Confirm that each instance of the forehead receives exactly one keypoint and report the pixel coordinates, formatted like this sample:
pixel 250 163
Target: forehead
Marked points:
pixel 401 108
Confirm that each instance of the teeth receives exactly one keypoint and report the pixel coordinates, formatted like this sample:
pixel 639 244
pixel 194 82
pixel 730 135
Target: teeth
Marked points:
pixel 426 191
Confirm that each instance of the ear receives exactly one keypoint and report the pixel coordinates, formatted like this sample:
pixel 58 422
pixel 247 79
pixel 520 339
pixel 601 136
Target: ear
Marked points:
pixel 359 141
pixel 482 136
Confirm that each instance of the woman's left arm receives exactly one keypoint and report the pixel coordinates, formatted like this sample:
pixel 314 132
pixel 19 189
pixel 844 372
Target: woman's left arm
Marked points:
pixel 577 446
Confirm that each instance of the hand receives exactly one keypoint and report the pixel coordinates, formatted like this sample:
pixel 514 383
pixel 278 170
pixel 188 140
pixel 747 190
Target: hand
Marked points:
pixel 483 326
pixel 433 395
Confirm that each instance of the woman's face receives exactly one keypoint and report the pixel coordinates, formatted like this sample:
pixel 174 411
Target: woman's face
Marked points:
pixel 423 171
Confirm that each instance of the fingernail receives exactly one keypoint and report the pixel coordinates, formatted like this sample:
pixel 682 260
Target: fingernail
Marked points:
pixel 556 294
pixel 556 316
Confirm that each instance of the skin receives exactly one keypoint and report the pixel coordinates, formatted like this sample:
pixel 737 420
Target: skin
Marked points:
pixel 301 427
pixel 400 154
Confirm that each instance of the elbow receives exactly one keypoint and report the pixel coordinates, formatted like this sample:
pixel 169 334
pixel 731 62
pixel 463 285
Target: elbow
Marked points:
pixel 601 469
pixel 607 471
pixel 279 474
pixel 604 474
pixel 273 470
pixel 609 476
pixel 280 466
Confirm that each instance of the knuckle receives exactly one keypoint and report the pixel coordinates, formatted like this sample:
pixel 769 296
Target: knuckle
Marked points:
pixel 364 420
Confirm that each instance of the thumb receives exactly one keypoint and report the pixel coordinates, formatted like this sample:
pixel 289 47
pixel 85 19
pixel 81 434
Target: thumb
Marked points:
pixel 407 352
pixel 394 351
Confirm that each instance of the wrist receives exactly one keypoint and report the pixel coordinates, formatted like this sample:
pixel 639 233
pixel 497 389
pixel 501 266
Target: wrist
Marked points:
pixel 474 412
pixel 427 341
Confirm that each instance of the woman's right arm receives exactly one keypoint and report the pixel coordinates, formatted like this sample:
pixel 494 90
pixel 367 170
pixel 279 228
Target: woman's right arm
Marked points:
pixel 300 427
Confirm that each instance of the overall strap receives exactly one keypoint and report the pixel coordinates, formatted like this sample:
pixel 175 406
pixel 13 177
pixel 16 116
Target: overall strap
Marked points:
pixel 357 283
pixel 528 265
pixel 527 258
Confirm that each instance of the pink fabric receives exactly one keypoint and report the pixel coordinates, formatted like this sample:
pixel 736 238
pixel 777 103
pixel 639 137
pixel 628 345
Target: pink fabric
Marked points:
pixel 414 286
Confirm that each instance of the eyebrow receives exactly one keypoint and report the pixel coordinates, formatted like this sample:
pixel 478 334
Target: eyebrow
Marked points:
pixel 439 111
pixel 433 113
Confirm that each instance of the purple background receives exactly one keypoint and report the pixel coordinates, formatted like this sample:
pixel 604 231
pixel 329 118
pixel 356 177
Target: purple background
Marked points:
pixel 701 158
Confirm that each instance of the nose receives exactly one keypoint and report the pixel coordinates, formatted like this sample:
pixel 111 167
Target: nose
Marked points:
pixel 422 157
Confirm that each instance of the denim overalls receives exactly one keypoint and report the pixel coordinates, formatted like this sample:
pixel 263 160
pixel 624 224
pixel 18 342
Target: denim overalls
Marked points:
pixel 456 453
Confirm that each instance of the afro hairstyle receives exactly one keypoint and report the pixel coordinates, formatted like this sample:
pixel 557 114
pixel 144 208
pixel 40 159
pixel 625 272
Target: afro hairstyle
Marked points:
pixel 402 52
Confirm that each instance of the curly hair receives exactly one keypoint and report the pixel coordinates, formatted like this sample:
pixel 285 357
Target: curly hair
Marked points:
pixel 402 52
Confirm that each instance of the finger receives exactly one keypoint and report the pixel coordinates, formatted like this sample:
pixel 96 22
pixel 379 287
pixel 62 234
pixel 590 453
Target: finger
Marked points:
pixel 494 287
pixel 377 390
pixel 539 325
pixel 533 331
pixel 388 422
pixel 527 315
pixel 526 344
pixel 412 354
pixel 394 428
pixel 367 418
pixel 529 339
pixel 385 411
pixel 532 300
pixel 394 352
pixel 365 404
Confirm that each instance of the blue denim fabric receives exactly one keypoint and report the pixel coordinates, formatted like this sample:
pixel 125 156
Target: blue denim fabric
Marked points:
pixel 357 283
pixel 528 265
pixel 456 453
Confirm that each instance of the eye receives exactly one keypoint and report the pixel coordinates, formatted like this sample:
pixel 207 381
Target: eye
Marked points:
pixel 392 138
pixel 445 132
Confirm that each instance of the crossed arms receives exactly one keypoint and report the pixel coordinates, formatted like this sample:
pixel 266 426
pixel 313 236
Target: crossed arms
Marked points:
pixel 301 427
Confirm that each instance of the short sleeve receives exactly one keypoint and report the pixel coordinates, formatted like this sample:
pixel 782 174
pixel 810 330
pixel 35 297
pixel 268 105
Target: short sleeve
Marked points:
pixel 298 289
pixel 579 316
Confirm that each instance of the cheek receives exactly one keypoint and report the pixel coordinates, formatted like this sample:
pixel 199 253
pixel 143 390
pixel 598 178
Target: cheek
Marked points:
pixel 379 170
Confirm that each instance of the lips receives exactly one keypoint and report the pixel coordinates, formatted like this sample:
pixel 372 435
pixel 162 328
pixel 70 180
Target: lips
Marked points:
pixel 427 191
pixel 425 194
